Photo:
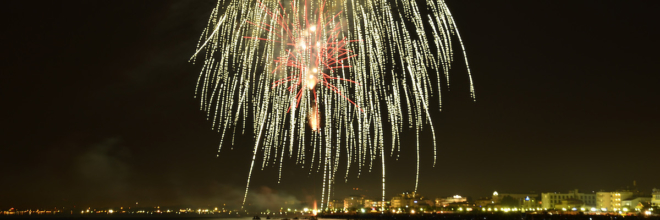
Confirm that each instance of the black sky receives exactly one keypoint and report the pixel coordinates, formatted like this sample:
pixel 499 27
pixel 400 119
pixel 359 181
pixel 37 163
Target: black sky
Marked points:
pixel 99 108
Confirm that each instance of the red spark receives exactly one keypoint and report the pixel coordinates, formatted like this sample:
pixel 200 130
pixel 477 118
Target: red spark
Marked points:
pixel 324 54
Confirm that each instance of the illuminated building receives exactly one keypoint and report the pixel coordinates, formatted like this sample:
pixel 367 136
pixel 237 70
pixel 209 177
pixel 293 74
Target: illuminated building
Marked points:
pixel 335 204
pixel 396 202
pixel 379 204
pixel 611 201
pixel 530 203
pixel 572 199
pixel 571 204
pixel 368 203
pixel 408 200
pixel 353 202
pixel 455 201
pixel 632 203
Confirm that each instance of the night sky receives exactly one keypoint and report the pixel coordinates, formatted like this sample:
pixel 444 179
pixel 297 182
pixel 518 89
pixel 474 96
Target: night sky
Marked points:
pixel 99 109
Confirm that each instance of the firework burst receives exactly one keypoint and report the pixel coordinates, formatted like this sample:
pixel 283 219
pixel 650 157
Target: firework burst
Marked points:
pixel 343 74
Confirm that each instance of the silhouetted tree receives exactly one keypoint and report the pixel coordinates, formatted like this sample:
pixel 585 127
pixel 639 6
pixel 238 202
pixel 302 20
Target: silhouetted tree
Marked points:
pixel 508 201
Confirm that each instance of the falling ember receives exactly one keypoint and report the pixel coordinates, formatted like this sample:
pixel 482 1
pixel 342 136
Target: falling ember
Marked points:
pixel 348 74
pixel 314 119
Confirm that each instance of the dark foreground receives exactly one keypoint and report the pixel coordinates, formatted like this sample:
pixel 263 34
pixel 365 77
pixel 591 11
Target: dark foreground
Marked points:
pixel 449 216
pixel 491 216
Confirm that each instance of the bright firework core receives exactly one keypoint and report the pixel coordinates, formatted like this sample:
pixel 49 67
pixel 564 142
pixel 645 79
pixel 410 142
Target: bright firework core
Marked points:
pixel 313 63
pixel 324 80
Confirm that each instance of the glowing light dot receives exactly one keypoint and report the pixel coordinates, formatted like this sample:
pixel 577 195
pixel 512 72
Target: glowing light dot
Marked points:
pixel 318 44
pixel 315 70
pixel 313 28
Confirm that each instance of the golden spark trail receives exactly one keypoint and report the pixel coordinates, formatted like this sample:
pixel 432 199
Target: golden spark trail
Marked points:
pixel 326 79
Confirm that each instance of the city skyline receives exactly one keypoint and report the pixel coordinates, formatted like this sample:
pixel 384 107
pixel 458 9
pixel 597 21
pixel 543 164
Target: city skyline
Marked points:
pixel 626 200
pixel 101 110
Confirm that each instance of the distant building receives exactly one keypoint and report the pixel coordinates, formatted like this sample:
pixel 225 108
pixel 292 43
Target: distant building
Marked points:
pixel 611 201
pixel 335 205
pixel 409 200
pixel 524 199
pixel 368 203
pixel 632 203
pixel 572 199
pixel 397 202
pixel 354 202
pixel 530 203
pixel 655 200
pixel 440 202
pixel 483 202
pixel 456 199
pixel 571 204
pixel 377 203
pixel 448 203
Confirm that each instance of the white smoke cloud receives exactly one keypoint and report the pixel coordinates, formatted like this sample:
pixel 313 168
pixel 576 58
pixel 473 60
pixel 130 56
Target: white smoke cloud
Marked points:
pixel 102 168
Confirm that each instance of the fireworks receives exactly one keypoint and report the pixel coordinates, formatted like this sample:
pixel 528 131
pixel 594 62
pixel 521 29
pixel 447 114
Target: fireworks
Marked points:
pixel 327 77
